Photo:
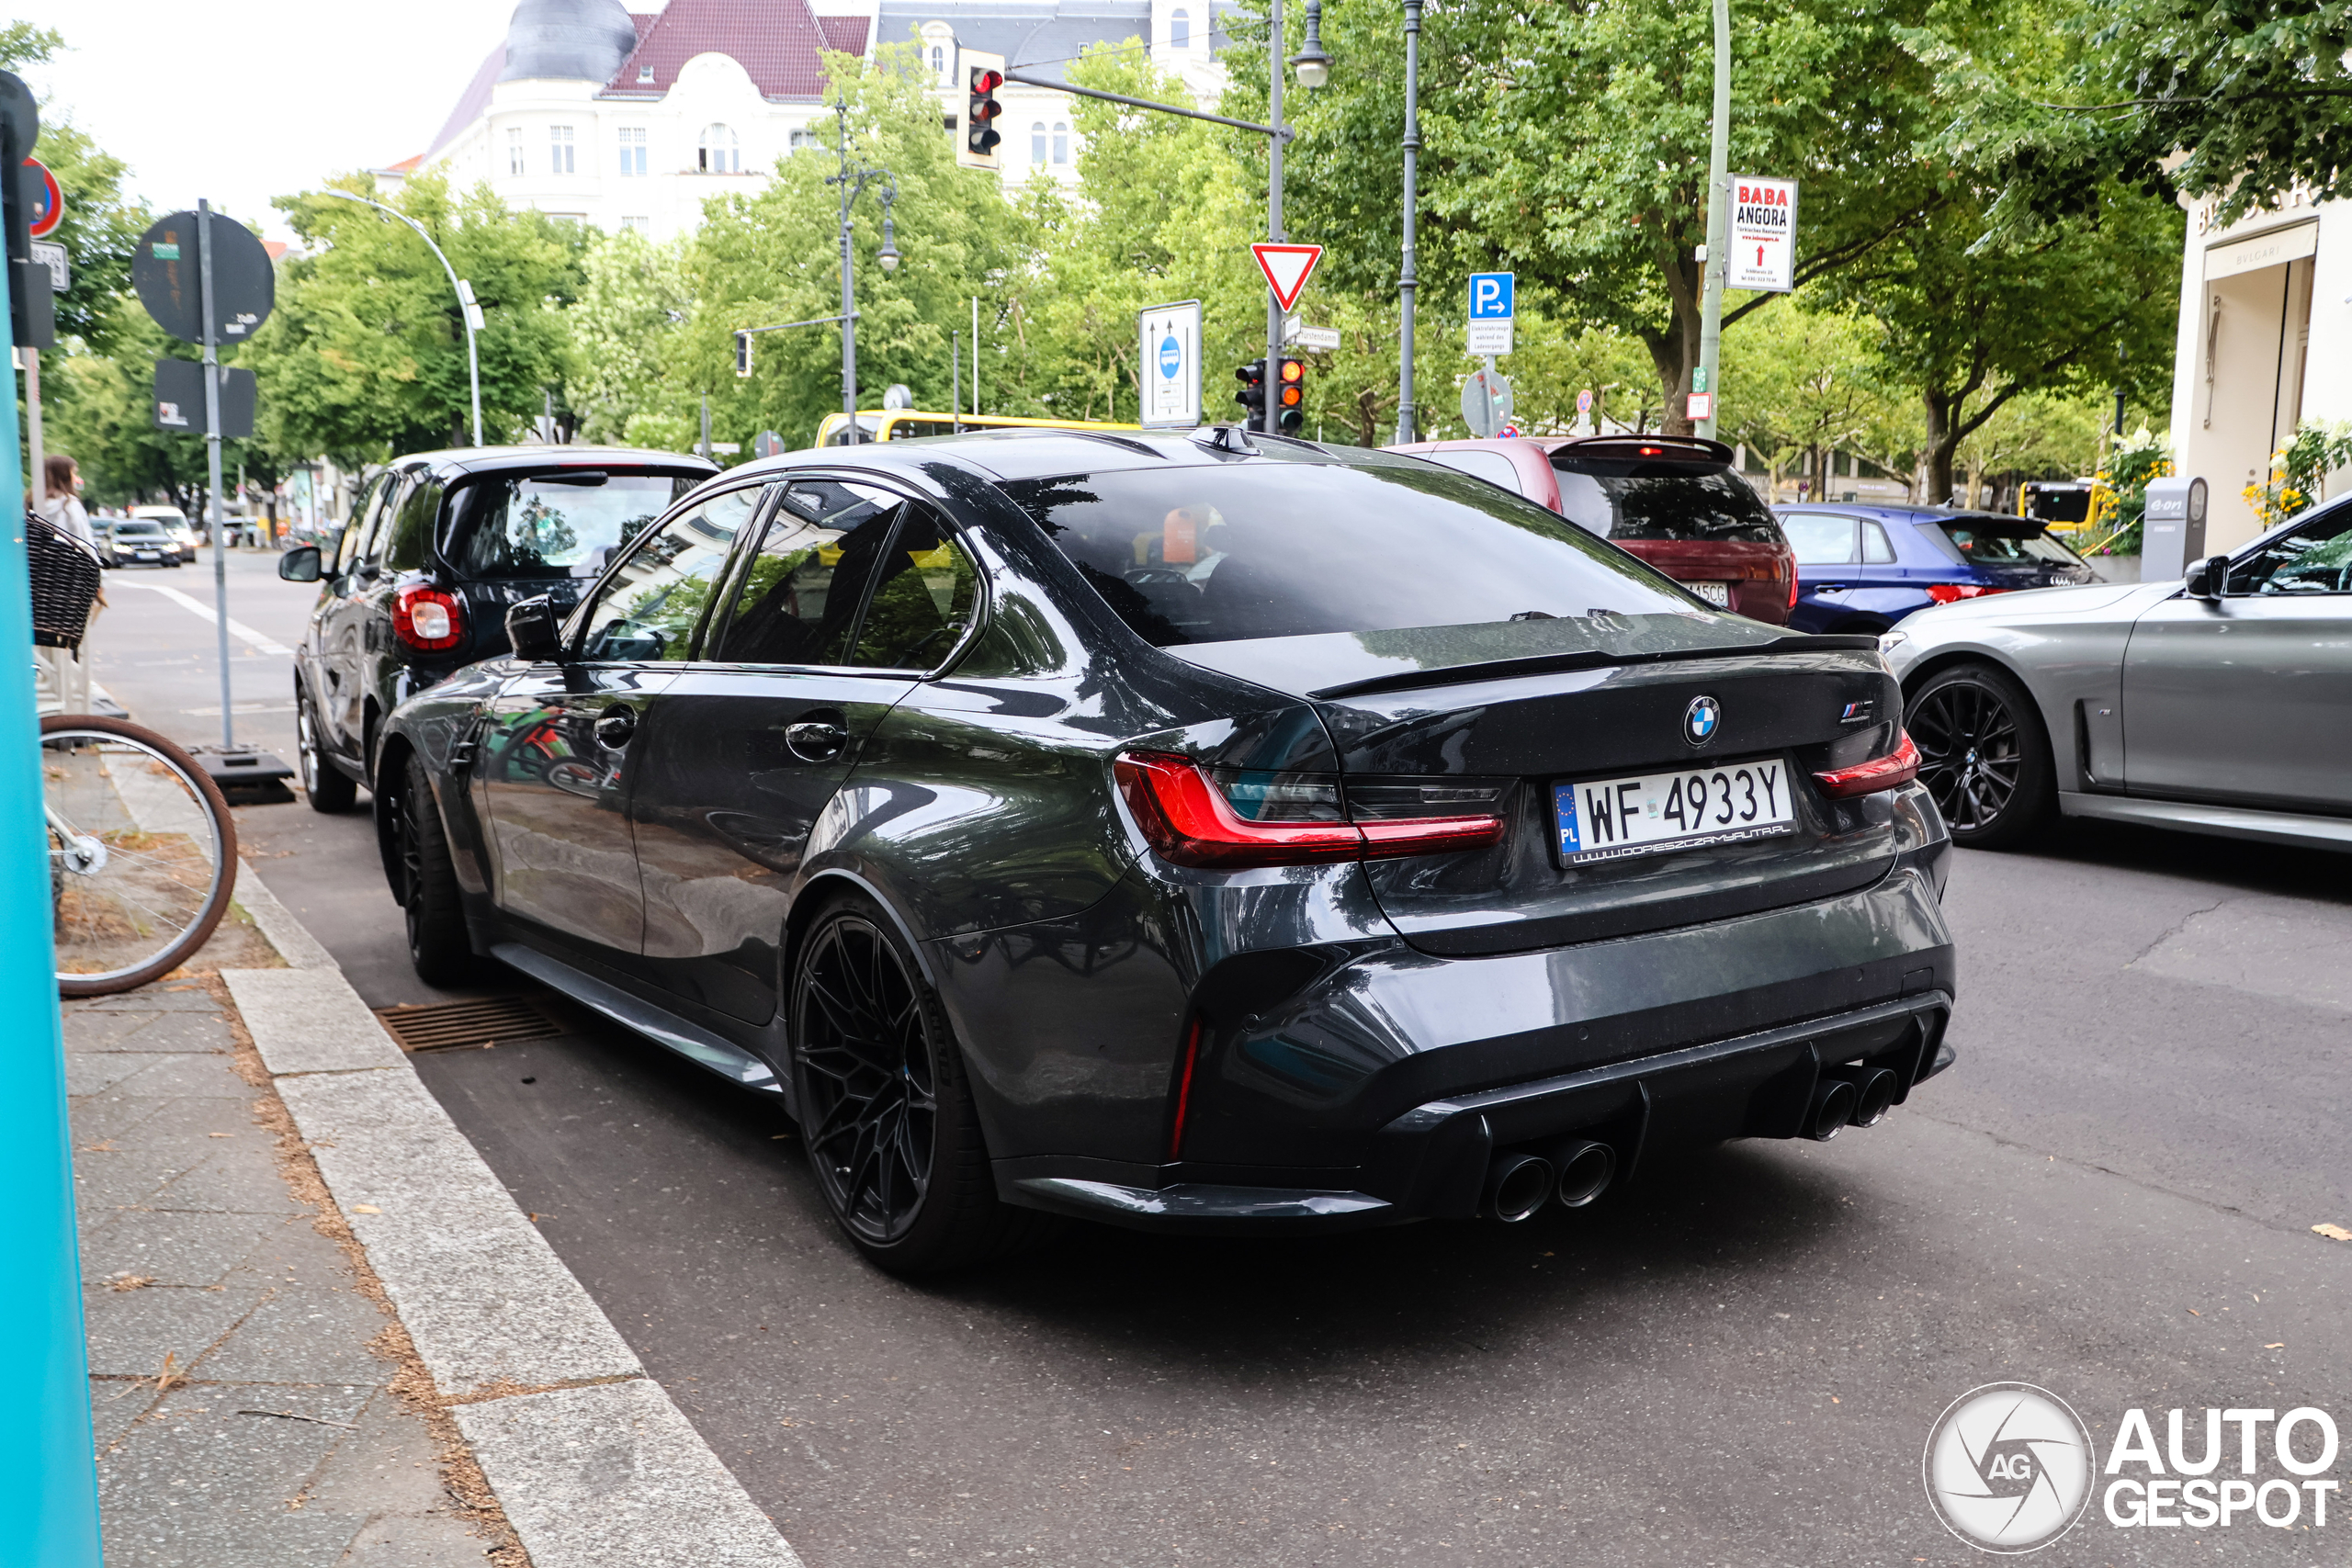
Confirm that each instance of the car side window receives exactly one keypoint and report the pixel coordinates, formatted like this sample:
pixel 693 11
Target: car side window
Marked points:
pixel 1820 538
pixel 1877 548
pixel 924 596
pixel 2313 558
pixel 363 518
pixel 647 610
pixel 396 491
pixel 405 536
pixel 799 595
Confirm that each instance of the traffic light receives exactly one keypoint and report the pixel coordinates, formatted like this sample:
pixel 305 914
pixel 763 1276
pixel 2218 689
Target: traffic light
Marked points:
pixel 976 132
pixel 743 354
pixel 1290 397
pixel 32 315
pixel 1252 396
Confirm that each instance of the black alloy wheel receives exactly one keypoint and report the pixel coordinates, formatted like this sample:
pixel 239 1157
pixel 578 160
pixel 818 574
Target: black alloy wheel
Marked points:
pixel 885 1107
pixel 327 788
pixel 1983 755
pixel 438 944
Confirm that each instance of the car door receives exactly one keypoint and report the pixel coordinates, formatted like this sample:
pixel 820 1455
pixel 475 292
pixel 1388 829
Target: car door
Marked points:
pixel 559 745
pixel 341 695
pixel 1828 552
pixel 2246 697
pixel 853 591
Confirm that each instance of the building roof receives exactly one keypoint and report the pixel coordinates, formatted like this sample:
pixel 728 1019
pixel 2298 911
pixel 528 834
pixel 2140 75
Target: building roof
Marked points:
pixel 778 42
pixel 568 40
pixel 1042 36
pixel 472 101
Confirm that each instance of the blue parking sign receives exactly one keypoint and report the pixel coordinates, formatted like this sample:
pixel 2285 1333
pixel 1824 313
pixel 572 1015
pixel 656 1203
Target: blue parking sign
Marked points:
pixel 1490 296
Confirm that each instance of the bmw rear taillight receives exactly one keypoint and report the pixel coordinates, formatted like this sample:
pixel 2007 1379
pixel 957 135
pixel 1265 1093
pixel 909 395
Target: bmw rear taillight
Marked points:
pixel 1952 593
pixel 1898 767
pixel 428 619
pixel 1237 821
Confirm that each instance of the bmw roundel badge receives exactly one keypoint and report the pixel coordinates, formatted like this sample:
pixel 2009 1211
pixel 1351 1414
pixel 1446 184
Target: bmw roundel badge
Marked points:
pixel 1702 720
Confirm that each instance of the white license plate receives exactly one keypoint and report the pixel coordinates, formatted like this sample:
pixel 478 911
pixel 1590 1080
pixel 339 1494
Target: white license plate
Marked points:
pixel 1716 593
pixel 1718 804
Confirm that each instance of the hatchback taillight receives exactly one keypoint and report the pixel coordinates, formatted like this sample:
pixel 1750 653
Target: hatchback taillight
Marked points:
pixel 1952 593
pixel 428 619
pixel 1899 766
pixel 1191 821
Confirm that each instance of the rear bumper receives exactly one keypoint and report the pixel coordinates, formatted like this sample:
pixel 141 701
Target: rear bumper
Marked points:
pixel 1380 1090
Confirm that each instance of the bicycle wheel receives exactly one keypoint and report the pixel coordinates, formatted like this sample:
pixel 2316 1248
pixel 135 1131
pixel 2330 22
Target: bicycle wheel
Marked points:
pixel 143 852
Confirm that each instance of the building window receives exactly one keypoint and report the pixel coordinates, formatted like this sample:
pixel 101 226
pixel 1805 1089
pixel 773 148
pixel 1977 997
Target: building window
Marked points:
pixel 718 154
pixel 638 225
pixel 645 73
pixel 1037 143
pixel 514 151
pixel 804 137
pixel 1061 143
pixel 1180 30
pixel 560 148
pixel 939 60
pixel 632 150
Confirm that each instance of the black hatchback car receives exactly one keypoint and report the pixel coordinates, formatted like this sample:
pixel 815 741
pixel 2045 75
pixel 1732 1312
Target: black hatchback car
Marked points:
pixel 441 543
pixel 1189 831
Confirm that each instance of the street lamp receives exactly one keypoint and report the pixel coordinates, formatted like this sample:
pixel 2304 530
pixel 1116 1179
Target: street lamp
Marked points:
pixel 458 286
pixel 1312 66
pixel 1409 275
pixel 854 182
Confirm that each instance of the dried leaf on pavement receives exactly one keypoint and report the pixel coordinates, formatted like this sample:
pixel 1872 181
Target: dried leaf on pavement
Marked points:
pixel 2334 1233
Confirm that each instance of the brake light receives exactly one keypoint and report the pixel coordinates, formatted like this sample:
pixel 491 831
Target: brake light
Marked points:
pixel 1898 767
pixel 1793 590
pixel 1190 822
pixel 428 619
pixel 1949 592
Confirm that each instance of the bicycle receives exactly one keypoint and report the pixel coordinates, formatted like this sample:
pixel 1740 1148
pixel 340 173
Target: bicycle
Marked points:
pixel 143 852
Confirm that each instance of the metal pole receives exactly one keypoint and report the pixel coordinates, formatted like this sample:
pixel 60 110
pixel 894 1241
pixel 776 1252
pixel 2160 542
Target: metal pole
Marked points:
pixel 466 308
pixel 1409 278
pixel 1711 308
pixel 976 356
pixel 40 457
pixel 49 1491
pixel 1272 412
pixel 956 382
pixel 212 469
pixel 848 327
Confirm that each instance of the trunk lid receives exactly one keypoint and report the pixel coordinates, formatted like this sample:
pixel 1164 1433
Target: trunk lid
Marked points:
pixel 1471 718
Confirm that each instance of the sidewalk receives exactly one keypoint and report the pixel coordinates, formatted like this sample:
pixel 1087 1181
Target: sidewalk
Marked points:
pixel 321 1333
pixel 242 1360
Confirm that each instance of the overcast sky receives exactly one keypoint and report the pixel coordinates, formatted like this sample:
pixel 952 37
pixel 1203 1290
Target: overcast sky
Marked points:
pixel 241 100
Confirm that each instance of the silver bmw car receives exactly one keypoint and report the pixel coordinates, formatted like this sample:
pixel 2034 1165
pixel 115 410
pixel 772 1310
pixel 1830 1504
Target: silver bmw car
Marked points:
pixel 2218 705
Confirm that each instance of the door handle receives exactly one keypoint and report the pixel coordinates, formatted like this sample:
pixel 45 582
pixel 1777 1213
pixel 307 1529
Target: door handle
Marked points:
pixel 614 726
pixel 816 740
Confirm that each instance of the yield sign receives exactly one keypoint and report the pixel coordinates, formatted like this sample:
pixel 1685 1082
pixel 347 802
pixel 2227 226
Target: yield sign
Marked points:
pixel 1287 268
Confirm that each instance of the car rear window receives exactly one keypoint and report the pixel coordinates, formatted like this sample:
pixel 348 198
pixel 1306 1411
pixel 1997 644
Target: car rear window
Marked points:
pixel 1229 553
pixel 557 525
pixel 137 528
pixel 1633 499
pixel 2002 544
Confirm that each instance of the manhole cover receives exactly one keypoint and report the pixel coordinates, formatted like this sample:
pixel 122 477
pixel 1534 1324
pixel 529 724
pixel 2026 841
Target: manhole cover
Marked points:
pixel 458 1026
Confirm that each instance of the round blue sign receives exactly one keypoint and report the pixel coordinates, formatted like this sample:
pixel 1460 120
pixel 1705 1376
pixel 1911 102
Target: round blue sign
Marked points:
pixel 1171 356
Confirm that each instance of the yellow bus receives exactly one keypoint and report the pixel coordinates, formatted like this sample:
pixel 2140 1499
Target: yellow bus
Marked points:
pixel 905 424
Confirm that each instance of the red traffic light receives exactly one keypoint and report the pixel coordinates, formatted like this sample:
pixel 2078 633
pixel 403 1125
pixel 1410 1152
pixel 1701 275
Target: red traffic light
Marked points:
pixel 985 80
pixel 1292 371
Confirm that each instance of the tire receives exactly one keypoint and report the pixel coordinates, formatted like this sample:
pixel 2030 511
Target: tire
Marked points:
pixel 201 914
pixel 1984 755
pixel 872 1052
pixel 327 788
pixel 439 945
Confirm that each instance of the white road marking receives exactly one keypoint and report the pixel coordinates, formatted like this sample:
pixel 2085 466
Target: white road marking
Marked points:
pixel 237 628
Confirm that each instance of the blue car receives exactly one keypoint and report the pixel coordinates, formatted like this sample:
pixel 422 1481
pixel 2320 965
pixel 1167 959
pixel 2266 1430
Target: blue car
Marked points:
pixel 1861 569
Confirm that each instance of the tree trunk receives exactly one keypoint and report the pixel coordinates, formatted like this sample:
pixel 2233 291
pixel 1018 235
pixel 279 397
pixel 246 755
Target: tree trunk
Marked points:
pixel 1943 440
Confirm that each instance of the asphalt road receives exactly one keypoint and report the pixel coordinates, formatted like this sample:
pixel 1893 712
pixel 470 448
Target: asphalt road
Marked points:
pixel 2110 1196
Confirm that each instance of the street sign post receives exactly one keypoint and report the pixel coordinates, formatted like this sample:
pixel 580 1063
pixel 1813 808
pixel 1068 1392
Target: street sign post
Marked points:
pixel 1763 234
pixel 1493 308
pixel 1168 355
pixel 1287 268
pixel 1486 403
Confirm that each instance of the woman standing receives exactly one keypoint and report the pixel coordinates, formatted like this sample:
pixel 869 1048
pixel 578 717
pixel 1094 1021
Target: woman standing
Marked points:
pixel 65 683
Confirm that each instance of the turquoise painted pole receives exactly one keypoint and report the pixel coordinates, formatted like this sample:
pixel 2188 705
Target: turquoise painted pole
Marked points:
pixel 49 1482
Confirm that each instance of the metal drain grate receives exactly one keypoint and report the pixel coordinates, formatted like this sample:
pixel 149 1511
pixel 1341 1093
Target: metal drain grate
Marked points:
pixel 458 1026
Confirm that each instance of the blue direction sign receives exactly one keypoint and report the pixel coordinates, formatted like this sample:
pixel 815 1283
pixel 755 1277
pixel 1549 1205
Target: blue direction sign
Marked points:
pixel 1491 296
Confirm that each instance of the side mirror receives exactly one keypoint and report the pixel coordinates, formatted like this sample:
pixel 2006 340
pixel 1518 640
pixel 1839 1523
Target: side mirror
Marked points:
pixel 2208 579
pixel 299 564
pixel 531 627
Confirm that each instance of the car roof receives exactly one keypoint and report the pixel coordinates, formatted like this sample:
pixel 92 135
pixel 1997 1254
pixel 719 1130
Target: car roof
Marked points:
pixel 1007 455
pixel 507 459
pixel 1913 512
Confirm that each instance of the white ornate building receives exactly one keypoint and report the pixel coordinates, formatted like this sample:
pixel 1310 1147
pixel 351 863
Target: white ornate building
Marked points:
pixel 633 120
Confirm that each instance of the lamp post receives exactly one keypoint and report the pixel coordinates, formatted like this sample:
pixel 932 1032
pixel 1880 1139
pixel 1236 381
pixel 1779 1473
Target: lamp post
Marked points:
pixel 458 286
pixel 1711 300
pixel 1409 278
pixel 854 182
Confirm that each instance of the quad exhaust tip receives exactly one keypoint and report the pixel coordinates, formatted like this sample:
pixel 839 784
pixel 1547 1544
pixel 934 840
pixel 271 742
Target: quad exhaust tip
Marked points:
pixel 1517 1185
pixel 1585 1170
pixel 1873 1092
pixel 1832 1108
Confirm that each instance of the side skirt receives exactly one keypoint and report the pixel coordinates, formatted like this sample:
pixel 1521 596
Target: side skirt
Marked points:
pixel 2230 821
pixel 696 1045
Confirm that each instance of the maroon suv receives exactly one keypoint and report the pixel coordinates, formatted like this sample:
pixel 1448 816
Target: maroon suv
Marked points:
pixel 1675 500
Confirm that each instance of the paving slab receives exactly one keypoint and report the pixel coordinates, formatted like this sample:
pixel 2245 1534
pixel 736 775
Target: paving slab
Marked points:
pixel 174 1248
pixel 130 1331
pixel 138 1033
pixel 104 1182
pixel 309 1021
pixel 170 1074
pixel 154 999
pixel 238 1176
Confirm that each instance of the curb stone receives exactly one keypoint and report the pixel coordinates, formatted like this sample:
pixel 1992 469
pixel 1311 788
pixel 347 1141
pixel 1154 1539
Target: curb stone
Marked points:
pixel 594 1463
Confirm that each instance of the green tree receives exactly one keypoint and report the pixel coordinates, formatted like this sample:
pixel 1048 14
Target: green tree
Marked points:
pixel 365 356
pixel 98 230
pixel 1798 385
pixel 635 298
